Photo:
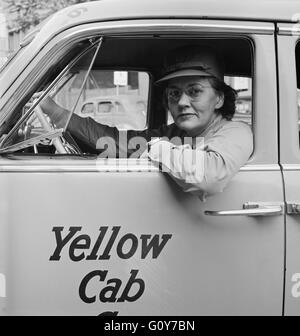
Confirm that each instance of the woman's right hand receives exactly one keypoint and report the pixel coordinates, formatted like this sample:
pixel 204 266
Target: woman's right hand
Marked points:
pixel 56 113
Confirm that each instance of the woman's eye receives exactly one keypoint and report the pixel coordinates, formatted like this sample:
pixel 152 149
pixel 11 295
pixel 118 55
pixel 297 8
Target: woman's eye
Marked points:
pixel 195 92
pixel 174 93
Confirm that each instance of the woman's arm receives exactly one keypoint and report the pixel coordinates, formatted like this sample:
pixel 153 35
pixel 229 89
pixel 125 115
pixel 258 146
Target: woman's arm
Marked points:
pixel 209 167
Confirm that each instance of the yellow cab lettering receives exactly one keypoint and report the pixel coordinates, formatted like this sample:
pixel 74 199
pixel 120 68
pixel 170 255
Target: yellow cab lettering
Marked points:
pixel 112 290
pixel 156 243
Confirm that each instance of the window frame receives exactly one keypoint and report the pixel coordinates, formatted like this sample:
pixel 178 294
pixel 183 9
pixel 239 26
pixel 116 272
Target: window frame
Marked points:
pixel 288 37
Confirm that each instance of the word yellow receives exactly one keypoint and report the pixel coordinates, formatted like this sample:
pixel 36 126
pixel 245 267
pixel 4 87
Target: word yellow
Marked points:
pixel 84 242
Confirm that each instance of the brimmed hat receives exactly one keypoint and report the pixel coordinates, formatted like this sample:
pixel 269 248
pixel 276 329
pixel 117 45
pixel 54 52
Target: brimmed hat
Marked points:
pixel 192 61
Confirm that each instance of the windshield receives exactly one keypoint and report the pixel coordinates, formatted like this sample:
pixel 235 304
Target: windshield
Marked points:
pixel 36 126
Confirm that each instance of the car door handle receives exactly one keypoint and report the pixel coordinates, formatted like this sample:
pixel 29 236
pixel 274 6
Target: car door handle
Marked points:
pixel 250 209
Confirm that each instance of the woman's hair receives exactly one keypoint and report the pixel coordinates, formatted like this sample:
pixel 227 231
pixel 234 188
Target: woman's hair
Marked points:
pixel 228 108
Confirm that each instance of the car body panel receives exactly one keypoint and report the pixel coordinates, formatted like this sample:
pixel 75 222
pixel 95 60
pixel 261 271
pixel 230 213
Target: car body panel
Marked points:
pixel 198 272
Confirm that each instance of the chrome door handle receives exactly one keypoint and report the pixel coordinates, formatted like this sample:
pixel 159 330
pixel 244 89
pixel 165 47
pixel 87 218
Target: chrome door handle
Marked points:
pixel 250 209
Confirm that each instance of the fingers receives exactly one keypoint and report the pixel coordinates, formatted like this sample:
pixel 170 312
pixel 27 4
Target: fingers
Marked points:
pixel 37 95
pixel 33 98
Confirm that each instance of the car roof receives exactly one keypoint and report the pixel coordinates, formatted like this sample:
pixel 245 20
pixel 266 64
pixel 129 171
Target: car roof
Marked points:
pixel 106 10
pixel 120 10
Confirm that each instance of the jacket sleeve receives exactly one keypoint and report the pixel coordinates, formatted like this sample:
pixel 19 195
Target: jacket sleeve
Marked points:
pixel 206 169
pixel 121 143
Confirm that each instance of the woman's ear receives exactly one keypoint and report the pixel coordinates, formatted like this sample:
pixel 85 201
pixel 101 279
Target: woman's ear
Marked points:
pixel 220 101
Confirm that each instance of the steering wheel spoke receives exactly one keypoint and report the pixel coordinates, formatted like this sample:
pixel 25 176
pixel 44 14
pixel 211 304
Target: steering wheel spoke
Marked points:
pixel 61 145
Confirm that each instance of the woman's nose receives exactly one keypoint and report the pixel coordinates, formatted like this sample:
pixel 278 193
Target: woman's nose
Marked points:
pixel 184 100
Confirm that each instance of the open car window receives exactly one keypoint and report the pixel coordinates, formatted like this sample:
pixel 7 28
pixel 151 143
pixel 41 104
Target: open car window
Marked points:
pixel 111 81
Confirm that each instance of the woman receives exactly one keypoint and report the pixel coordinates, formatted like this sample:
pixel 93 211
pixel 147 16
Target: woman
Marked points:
pixel 202 106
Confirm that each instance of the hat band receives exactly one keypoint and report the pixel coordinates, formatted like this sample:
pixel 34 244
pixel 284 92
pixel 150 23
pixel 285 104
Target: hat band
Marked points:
pixel 179 67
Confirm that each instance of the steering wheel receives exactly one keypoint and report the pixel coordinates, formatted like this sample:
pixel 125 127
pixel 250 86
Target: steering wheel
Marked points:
pixel 61 144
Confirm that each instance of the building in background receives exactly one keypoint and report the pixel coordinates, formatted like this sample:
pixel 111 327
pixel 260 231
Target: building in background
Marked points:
pixel 17 25
pixel 4 49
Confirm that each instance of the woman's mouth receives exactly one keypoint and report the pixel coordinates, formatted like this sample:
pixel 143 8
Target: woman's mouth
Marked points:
pixel 185 115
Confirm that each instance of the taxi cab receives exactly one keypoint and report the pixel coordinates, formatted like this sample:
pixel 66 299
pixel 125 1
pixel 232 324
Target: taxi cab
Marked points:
pixel 83 235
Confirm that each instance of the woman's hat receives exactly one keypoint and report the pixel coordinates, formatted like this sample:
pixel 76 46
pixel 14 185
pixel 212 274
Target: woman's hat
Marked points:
pixel 192 61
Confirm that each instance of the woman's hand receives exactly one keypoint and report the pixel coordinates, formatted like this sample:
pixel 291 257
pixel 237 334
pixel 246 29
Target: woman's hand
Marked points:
pixel 56 113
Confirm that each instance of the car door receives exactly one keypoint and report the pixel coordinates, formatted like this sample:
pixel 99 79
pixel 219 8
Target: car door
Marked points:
pixel 87 237
pixel 288 65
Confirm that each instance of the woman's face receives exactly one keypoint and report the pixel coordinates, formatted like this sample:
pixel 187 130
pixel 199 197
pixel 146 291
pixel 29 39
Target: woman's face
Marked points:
pixel 192 102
